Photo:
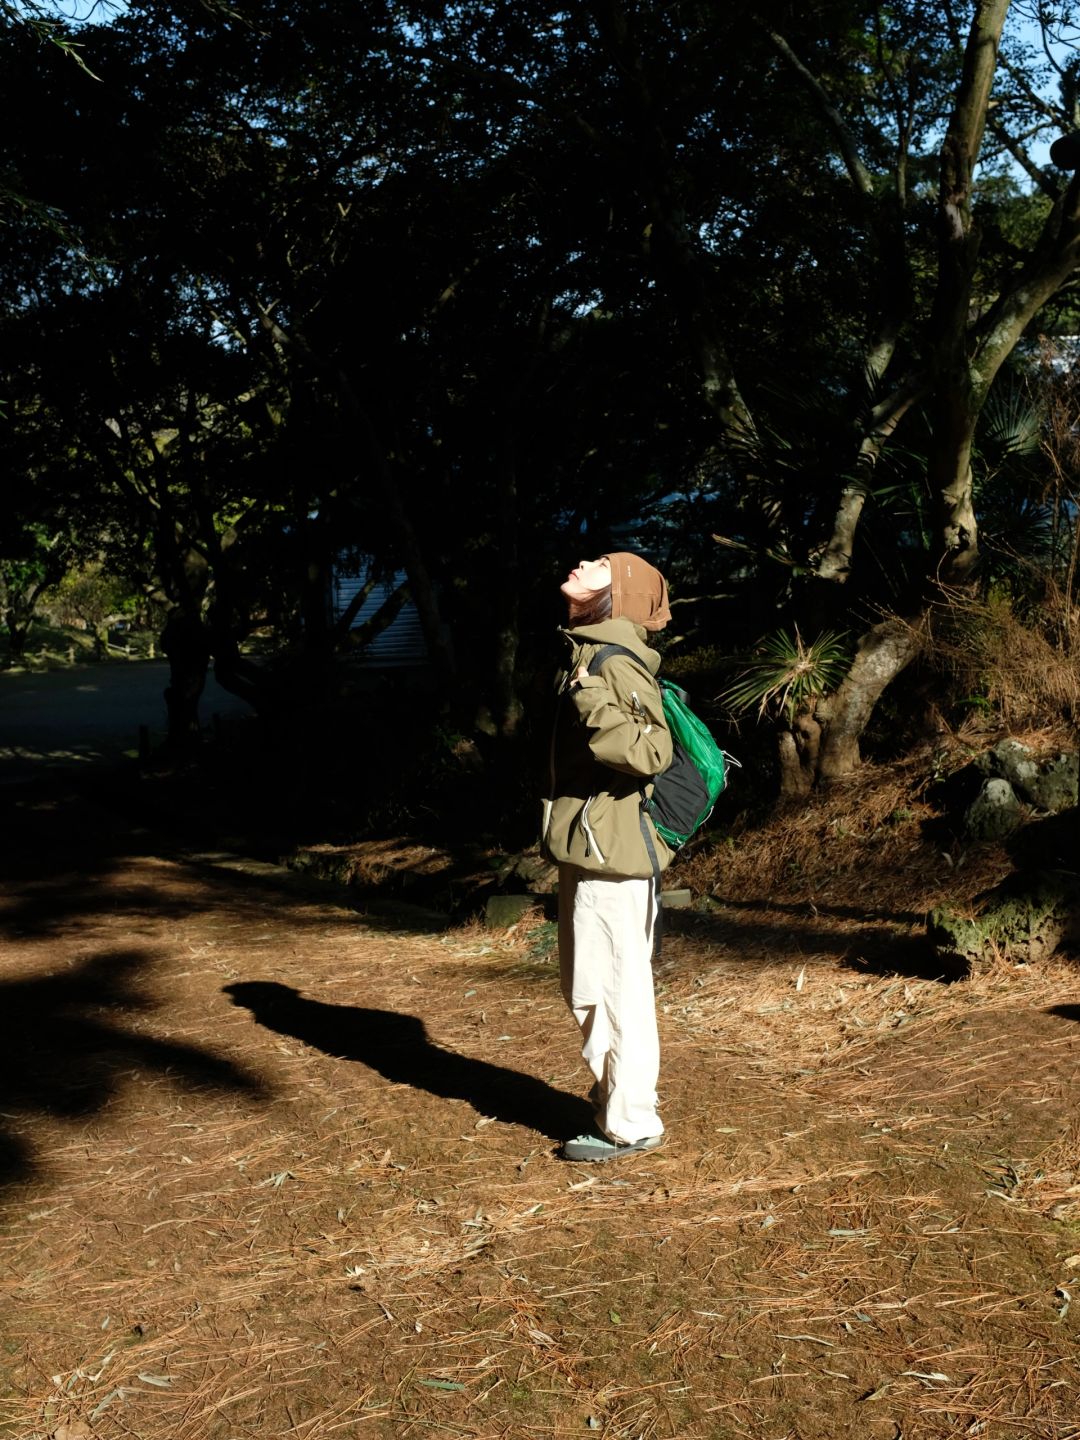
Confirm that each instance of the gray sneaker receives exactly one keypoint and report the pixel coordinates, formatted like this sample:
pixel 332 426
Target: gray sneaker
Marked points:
pixel 597 1148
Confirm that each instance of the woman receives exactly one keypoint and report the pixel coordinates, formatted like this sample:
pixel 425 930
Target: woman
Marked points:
pixel 609 740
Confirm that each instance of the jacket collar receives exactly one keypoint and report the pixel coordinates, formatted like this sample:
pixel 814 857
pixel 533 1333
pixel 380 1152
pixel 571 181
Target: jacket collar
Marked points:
pixel 616 632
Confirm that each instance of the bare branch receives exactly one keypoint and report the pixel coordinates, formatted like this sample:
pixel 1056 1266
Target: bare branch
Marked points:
pixel 857 172
pixel 1042 178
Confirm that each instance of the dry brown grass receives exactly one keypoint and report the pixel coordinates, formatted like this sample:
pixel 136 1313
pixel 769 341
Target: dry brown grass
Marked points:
pixel 860 843
pixel 1024 669
pixel 851 1231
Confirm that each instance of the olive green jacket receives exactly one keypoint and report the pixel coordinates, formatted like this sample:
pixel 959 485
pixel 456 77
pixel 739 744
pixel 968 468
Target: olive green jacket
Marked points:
pixel 609 740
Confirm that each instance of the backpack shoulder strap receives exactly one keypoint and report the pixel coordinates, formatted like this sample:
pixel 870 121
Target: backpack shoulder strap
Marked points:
pixel 605 653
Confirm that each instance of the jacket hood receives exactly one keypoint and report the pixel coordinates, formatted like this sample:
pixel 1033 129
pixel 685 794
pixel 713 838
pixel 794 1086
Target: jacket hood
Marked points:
pixel 616 632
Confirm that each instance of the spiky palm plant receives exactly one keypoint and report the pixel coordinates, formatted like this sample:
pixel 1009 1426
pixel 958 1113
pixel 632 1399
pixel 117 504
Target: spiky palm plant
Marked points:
pixel 788 675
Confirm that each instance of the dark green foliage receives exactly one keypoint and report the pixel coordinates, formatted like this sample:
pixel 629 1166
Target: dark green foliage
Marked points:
pixel 472 291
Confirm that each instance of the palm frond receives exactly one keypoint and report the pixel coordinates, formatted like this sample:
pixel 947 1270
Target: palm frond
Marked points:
pixel 787 675
pixel 1011 424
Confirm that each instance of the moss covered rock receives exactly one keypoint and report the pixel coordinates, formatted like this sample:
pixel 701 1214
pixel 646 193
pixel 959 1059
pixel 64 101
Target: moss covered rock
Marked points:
pixel 1027 917
pixel 1049 784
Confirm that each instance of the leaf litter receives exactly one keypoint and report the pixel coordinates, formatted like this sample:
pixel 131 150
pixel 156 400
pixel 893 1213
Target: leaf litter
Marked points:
pixel 356 1251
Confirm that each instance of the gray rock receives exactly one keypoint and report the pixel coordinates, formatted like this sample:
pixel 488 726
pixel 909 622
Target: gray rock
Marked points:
pixel 531 872
pixel 1056 786
pixel 1050 785
pixel 994 813
pixel 502 911
pixel 676 899
pixel 1013 762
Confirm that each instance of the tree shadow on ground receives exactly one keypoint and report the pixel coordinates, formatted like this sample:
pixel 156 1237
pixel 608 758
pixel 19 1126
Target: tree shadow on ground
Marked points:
pixel 912 959
pixel 64 1051
pixel 766 938
pixel 841 912
pixel 67 861
pixel 397 1047
pixel 51 909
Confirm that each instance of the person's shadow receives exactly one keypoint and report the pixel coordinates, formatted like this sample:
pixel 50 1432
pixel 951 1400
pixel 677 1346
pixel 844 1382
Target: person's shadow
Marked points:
pixel 398 1048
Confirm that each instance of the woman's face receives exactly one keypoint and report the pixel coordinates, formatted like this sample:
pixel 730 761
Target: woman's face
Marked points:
pixel 590 577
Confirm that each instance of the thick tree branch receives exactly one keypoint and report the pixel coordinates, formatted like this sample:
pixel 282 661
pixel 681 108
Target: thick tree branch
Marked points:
pixel 857 172
pixel 956 403
pixel 374 625
pixel 887 224
pixel 959 153
pixel 1055 258
pixel 835 564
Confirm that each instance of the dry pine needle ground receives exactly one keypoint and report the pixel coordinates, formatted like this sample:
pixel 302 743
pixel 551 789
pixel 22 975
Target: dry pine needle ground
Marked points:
pixel 275 1168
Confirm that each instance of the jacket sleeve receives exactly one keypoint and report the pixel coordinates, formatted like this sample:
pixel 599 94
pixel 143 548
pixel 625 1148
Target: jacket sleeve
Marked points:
pixel 624 715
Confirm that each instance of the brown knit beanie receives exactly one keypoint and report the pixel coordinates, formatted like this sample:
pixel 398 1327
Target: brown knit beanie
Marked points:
pixel 638 591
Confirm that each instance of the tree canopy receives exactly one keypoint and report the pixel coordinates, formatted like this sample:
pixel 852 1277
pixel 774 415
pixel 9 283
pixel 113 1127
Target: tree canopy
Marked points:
pixel 474 290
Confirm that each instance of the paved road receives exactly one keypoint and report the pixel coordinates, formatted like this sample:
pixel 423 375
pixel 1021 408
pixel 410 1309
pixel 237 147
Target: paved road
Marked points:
pixel 90 712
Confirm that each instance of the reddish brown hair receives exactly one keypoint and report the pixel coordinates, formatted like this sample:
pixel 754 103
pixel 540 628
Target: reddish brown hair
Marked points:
pixel 591 611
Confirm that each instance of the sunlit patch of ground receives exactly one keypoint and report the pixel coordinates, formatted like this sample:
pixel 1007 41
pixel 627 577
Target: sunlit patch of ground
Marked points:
pixel 275 1168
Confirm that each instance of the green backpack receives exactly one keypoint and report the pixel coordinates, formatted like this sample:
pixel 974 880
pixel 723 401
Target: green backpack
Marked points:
pixel 685 793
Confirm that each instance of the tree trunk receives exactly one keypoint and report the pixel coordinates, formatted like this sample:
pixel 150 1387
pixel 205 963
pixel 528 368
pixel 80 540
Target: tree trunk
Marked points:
pixel 184 641
pixel 19 618
pixel 508 707
pixel 18 631
pixel 881 655
pixel 421 587
pixel 798 751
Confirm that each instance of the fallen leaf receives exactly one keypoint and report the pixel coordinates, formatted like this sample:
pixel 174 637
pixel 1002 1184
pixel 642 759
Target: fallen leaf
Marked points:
pixel 878 1393
pixel 277 1180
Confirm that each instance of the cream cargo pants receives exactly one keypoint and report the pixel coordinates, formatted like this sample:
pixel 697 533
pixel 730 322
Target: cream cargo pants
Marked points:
pixel 605 962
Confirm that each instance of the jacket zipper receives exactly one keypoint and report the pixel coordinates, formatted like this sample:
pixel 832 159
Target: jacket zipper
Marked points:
pixel 590 838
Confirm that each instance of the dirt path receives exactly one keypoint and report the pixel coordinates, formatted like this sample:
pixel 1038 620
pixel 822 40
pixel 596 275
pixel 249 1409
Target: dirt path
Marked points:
pixel 274 1168
pixel 86 713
